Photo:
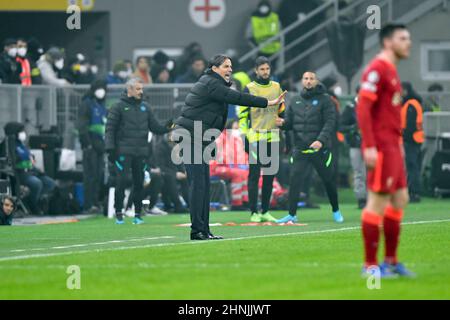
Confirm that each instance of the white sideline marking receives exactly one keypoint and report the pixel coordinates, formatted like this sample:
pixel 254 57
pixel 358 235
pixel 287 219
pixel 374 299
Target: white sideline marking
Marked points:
pixel 92 244
pixel 38 255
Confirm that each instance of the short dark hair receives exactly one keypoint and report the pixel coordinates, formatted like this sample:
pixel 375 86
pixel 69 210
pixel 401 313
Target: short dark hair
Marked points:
pixel 10 198
pixel 217 60
pixel 309 71
pixel 142 57
pixel 197 58
pixel 388 30
pixel 261 60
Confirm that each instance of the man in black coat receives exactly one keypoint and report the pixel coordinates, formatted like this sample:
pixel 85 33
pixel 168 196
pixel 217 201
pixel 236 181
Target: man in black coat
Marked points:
pixel 312 118
pixel 9 72
pixel 207 108
pixel 91 128
pixel 126 143
pixel 349 127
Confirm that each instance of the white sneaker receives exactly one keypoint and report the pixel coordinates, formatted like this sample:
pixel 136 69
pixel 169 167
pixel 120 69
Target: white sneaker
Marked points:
pixel 155 211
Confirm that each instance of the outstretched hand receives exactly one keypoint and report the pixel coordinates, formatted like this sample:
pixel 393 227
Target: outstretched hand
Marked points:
pixel 278 100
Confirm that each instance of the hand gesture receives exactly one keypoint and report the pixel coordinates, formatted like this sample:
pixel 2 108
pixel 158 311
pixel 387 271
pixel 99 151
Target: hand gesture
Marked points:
pixel 278 100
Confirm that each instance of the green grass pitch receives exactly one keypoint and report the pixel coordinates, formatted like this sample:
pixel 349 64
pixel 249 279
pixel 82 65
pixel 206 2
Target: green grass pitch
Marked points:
pixel 157 261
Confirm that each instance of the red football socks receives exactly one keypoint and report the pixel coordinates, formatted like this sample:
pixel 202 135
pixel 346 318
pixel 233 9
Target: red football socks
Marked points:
pixel 371 234
pixel 391 224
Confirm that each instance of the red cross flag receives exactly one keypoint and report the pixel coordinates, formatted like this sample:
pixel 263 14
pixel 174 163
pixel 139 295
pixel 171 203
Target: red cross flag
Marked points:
pixel 207 13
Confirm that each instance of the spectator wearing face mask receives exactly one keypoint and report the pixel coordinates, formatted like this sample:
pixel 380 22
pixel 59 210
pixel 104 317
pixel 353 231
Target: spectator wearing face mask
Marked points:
pixel 23 64
pixel 91 128
pixel 34 51
pixel 119 74
pixel 28 175
pixel 80 70
pixel 8 66
pixel 49 65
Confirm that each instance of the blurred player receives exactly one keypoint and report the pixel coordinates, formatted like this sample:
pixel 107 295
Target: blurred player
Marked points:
pixel 378 111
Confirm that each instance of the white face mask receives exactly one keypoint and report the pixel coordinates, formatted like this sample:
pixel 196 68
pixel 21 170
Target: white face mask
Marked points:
pixel 122 74
pixel 170 65
pixel 100 93
pixel 22 136
pixel 83 68
pixel 59 64
pixel 338 91
pixel 12 52
pixel 264 9
pixel 94 69
pixel 22 52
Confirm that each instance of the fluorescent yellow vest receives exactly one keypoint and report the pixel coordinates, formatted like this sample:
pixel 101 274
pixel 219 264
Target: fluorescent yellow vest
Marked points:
pixel 265 28
pixel 255 123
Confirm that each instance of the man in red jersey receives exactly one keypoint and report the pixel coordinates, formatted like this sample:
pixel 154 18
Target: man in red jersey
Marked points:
pixel 378 111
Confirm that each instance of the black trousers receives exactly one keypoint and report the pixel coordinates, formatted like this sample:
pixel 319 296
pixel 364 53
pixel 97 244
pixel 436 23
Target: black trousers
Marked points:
pixel 199 185
pixel 151 191
pixel 137 166
pixel 253 179
pixel 93 173
pixel 413 163
pixel 322 163
pixel 170 194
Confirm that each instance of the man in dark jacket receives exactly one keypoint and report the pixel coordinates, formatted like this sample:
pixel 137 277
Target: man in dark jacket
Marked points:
pixel 9 72
pixel 127 127
pixel 413 138
pixel 312 118
pixel 349 127
pixel 91 128
pixel 207 108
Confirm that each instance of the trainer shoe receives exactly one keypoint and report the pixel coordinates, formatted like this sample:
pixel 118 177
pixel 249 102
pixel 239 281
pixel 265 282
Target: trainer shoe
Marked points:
pixel 287 219
pixel 267 217
pixel 256 217
pixel 120 221
pixel 138 220
pixel 381 270
pixel 155 211
pixel 337 216
pixel 399 269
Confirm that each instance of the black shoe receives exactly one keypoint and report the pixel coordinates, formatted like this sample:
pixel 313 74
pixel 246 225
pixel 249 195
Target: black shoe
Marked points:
pixel 199 236
pixel 213 237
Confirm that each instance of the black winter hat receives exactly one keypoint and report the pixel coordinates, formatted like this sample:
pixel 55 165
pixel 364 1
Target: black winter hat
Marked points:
pixel 13 128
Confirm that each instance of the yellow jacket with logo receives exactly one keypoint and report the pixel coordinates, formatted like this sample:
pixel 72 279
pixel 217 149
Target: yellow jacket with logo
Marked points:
pixel 259 123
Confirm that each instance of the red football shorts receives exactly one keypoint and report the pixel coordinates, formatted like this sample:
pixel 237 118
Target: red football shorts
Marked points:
pixel 389 174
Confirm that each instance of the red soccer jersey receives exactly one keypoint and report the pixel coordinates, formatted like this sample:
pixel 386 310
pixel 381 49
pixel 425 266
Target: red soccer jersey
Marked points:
pixel 381 124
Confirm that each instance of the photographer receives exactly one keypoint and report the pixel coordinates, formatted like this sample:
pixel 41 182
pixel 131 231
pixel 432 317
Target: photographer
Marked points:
pixel 7 210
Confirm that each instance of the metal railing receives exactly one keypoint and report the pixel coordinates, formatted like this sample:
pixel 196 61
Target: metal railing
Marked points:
pixel 316 37
pixel 42 107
